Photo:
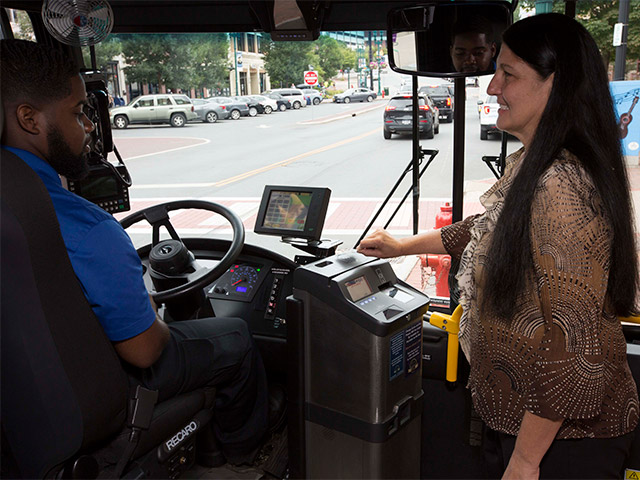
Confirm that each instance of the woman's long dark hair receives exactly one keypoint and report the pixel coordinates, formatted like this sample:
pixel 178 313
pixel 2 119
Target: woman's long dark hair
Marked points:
pixel 579 117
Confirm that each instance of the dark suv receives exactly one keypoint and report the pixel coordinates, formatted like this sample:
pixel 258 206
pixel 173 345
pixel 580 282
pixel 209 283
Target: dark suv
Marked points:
pixel 398 116
pixel 441 96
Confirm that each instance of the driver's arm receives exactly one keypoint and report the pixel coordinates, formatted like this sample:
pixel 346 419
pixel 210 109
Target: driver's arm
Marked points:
pixel 110 272
pixel 145 348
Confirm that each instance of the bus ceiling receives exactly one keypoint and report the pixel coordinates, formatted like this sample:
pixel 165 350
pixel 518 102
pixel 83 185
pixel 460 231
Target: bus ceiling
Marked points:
pixel 277 17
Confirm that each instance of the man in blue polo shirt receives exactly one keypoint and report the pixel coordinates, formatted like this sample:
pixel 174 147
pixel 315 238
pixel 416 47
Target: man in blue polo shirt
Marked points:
pixel 44 101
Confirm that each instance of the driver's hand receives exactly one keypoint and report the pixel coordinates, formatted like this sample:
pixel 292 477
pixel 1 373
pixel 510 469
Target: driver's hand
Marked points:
pixel 380 244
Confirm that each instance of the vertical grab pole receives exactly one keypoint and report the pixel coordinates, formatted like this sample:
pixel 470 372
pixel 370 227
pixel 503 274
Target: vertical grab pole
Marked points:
pixel 416 154
pixel 458 147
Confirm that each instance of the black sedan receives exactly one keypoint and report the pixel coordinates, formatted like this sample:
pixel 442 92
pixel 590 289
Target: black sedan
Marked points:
pixel 283 103
pixel 398 116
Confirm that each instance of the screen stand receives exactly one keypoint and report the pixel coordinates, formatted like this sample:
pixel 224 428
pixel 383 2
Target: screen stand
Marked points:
pixel 317 248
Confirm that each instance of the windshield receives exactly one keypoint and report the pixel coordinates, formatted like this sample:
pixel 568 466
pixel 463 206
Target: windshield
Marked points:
pixel 299 142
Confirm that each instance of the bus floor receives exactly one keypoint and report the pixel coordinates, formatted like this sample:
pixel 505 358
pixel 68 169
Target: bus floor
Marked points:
pixel 270 463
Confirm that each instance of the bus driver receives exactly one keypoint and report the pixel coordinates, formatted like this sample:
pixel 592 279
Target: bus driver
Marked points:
pixel 45 125
pixel 472 47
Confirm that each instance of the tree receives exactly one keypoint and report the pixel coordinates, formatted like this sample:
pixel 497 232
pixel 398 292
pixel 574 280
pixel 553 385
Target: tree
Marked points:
pixel 25 28
pixel 176 61
pixel 333 56
pixel 599 17
pixel 210 61
pixel 159 59
pixel 286 62
pixel 330 56
pixel 105 52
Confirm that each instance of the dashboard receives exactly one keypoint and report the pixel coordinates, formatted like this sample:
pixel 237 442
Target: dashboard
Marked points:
pixel 254 288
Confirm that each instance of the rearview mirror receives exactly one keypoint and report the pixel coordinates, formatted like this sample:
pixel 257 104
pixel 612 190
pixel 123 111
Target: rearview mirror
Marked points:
pixel 447 40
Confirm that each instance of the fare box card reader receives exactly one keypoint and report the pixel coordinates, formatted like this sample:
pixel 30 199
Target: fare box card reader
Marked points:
pixel 368 286
pixel 357 331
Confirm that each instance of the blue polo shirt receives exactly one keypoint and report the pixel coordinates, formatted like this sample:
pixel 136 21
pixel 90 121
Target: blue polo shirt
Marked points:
pixel 102 256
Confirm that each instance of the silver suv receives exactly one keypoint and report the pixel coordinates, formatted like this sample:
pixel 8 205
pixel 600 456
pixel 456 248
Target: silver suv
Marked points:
pixel 175 110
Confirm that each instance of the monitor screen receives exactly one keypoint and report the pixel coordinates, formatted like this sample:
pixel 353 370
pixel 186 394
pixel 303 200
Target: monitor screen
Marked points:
pixel 287 210
pixel 293 212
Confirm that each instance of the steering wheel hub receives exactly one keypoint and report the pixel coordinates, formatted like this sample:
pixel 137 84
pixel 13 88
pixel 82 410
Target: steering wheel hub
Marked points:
pixel 170 257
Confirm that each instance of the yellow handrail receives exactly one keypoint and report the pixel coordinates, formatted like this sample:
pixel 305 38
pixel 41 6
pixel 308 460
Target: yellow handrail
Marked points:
pixel 451 325
pixel 631 319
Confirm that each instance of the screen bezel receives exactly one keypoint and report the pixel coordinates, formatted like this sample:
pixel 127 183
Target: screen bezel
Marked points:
pixel 315 216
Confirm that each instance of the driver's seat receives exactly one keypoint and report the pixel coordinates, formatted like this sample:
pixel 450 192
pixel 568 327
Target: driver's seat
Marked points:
pixel 66 405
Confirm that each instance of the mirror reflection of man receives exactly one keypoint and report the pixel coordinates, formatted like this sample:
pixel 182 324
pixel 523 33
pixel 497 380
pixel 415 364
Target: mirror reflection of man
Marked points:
pixel 472 46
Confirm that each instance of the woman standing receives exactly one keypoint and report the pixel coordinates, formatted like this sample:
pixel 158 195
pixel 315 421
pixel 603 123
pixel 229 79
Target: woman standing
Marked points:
pixel 549 266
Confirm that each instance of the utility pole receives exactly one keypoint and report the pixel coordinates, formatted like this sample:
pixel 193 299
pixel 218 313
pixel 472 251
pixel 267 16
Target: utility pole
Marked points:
pixel 235 60
pixel 620 41
pixel 370 60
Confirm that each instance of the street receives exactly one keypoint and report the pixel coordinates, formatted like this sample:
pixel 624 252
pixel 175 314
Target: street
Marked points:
pixel 330 145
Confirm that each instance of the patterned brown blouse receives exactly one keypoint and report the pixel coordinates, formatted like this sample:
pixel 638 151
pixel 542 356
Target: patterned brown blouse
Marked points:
pixel 563 355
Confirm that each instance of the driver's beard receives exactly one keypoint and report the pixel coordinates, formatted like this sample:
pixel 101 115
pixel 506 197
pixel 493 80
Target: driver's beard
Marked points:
pixel 63 160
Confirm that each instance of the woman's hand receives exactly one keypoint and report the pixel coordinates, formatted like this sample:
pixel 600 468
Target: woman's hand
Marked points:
pixel 380 244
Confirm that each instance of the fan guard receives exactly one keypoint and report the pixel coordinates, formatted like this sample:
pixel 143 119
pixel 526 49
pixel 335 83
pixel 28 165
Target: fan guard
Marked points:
pixel 78 22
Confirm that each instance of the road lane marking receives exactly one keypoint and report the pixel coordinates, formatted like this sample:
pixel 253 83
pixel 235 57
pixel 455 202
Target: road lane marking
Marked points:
pixel 333 118
pixel 266 168
pixel 203 141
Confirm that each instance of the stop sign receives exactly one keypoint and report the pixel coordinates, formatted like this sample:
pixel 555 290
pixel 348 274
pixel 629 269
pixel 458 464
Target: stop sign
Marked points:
pixel 310 78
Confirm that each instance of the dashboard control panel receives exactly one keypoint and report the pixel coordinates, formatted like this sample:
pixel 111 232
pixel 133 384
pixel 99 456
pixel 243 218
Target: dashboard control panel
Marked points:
pixel 240 282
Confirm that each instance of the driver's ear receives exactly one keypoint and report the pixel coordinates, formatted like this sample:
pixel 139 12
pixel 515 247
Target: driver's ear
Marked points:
pixel 29 119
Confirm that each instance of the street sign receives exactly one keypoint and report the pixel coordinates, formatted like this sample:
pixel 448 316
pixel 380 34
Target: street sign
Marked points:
pixel 311 78
pixel 618 28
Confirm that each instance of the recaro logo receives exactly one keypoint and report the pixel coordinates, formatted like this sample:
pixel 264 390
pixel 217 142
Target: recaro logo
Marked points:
pixel 174 441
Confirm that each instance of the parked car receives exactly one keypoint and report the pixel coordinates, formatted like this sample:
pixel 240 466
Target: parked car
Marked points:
pixel 255 107
pixel 176 110
pixel 443 99
pixel 235 108
pixel 398 116
pixel 294 95
pixel 208 111
pixel 268 104
pixel 312 95
pixel 355 95
pixel 488 116
pixel 282 102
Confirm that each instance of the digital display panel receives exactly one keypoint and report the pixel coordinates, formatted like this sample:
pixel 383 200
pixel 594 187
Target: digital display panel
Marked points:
pixel 287 210
pixel 99 187
pixel 358 288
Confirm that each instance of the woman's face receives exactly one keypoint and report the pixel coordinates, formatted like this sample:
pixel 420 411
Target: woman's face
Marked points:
pixel 521 93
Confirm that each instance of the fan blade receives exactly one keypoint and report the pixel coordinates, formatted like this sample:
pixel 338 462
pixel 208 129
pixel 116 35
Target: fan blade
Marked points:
pixel 60 7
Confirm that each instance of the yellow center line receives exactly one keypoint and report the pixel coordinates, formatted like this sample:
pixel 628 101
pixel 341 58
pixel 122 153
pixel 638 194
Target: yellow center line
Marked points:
pixel 288 161
pixel 266 168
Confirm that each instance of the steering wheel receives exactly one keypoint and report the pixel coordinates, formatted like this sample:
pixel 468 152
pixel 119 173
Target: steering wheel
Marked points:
pixel 158 216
